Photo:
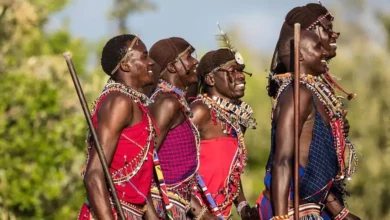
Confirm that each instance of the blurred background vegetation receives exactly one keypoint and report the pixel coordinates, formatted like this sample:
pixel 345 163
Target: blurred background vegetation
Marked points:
pixel 42 127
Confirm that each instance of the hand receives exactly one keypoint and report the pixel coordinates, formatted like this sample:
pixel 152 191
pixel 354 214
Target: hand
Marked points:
pixel 351 216
pixel 248 213
pixel 346 124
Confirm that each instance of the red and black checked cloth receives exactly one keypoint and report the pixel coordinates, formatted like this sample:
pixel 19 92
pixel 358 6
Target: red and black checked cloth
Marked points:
pixel 177 154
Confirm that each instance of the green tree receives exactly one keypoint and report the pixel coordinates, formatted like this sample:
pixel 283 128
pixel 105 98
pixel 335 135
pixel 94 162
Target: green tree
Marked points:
pixel 41 130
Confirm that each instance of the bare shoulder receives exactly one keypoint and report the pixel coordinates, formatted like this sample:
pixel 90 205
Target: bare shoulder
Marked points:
pixel 305 96
pixel 167 102
pixel 201 112
pixel 117 107
pixel 198 107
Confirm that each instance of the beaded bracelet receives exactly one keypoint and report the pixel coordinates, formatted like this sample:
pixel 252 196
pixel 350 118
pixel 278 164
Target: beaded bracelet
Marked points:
pixel 201 214
pixel 279 217
pixel 240 206
pixel 344 212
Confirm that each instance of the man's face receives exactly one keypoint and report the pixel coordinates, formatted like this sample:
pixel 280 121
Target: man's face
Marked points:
pixel 313 54
pixel 325 32
pixel 229 81
pixel 186 69
pixel 141 64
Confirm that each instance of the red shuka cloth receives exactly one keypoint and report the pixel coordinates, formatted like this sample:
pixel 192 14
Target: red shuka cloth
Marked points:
pixel 216 160
pixel 125 152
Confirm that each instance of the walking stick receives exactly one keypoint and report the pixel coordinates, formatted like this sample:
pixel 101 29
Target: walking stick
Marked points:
pixel 83 102
pixel 297 36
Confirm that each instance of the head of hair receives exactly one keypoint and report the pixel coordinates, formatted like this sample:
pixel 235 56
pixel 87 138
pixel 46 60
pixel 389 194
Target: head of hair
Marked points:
pixel 306 16
pixel 283 49
pixel 209 62
pixel 113 52
pixel 167 50
pixel 317 9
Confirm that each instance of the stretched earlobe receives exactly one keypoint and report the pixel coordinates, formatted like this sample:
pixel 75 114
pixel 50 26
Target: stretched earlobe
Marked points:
pixel 171 68
pixel 125 66
pixel 209 79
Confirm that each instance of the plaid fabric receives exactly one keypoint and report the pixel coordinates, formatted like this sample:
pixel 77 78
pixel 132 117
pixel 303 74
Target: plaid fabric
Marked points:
pixel 178 154
pixel 322 164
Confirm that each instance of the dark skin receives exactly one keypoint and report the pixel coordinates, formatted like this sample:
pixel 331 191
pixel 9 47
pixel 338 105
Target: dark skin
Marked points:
pixel 229 84
pixel 325 32
pixel 329 37
pixel 282 168
pixel 180 73
pixel 116 112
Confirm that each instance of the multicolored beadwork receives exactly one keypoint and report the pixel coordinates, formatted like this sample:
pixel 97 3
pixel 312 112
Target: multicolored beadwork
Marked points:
pixel 334 109
pixel 231 120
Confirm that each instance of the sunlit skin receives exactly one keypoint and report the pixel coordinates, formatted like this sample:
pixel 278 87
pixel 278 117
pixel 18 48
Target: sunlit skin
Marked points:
pixel 328 37
pixel 116 112
pixel 227 83
pixel 181 74
pixel 310 62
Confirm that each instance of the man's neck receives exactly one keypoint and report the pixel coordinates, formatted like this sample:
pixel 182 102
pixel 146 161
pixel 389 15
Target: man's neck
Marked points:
pixel 219 95
pixel 130 83
pixel 174 80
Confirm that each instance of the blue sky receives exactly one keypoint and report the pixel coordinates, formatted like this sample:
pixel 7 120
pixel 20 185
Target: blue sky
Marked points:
pixel 259 21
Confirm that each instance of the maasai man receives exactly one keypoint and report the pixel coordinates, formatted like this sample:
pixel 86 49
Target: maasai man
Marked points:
pixel 222 119
pixel 316 18
pixel 125 130
pixel 320 157
pixel 178 142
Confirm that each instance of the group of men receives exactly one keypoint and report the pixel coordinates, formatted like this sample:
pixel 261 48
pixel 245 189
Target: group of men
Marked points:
pixel 170 159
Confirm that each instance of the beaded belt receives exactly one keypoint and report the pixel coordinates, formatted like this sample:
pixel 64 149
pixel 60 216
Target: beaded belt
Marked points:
pixel 308 209
pixel 131 211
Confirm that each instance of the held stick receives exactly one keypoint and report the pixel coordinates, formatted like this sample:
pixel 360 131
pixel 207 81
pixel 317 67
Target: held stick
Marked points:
pixel 98 147
pixel 297 36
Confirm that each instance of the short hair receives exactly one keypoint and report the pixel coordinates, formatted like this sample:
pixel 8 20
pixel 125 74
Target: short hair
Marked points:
pixel 113 52
pixel 209 62
pixel 167 50
pixel 305 15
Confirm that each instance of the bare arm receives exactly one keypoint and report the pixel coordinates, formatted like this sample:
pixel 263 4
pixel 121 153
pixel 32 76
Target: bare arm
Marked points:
pixel 201 115
pixel 114 114
pixel 165 110
pixel 334 207
pixel 151 213
pixel 196 209
pixel 282 167
pixel 245 211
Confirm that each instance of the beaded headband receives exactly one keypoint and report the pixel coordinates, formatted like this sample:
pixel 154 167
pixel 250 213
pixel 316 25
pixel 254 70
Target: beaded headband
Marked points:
pixel 189 48
pixel 135 40
pixel 319 20
pixel 222 65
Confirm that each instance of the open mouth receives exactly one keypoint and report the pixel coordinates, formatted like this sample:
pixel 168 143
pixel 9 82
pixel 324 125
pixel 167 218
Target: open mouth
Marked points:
pixel 240 86
pixel 324 62
pixel 150 72
pixel 334 45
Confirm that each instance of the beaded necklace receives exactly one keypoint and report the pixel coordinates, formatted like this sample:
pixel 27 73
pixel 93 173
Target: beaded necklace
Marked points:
pixel 119 87
pixel 124 174
pixel 166 87
pixel 225 115
pixel 334 109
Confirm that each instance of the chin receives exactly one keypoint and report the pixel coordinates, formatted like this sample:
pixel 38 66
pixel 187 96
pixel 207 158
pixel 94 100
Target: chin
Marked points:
pixel 149 83
pixel 239 95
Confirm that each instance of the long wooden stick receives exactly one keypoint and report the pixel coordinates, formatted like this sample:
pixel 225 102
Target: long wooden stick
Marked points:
pixel 98 147
pixel 297 36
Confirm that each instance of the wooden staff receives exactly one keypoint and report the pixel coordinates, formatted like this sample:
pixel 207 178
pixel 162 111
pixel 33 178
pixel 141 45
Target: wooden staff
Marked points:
pixel 297 36
pixel 98 147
